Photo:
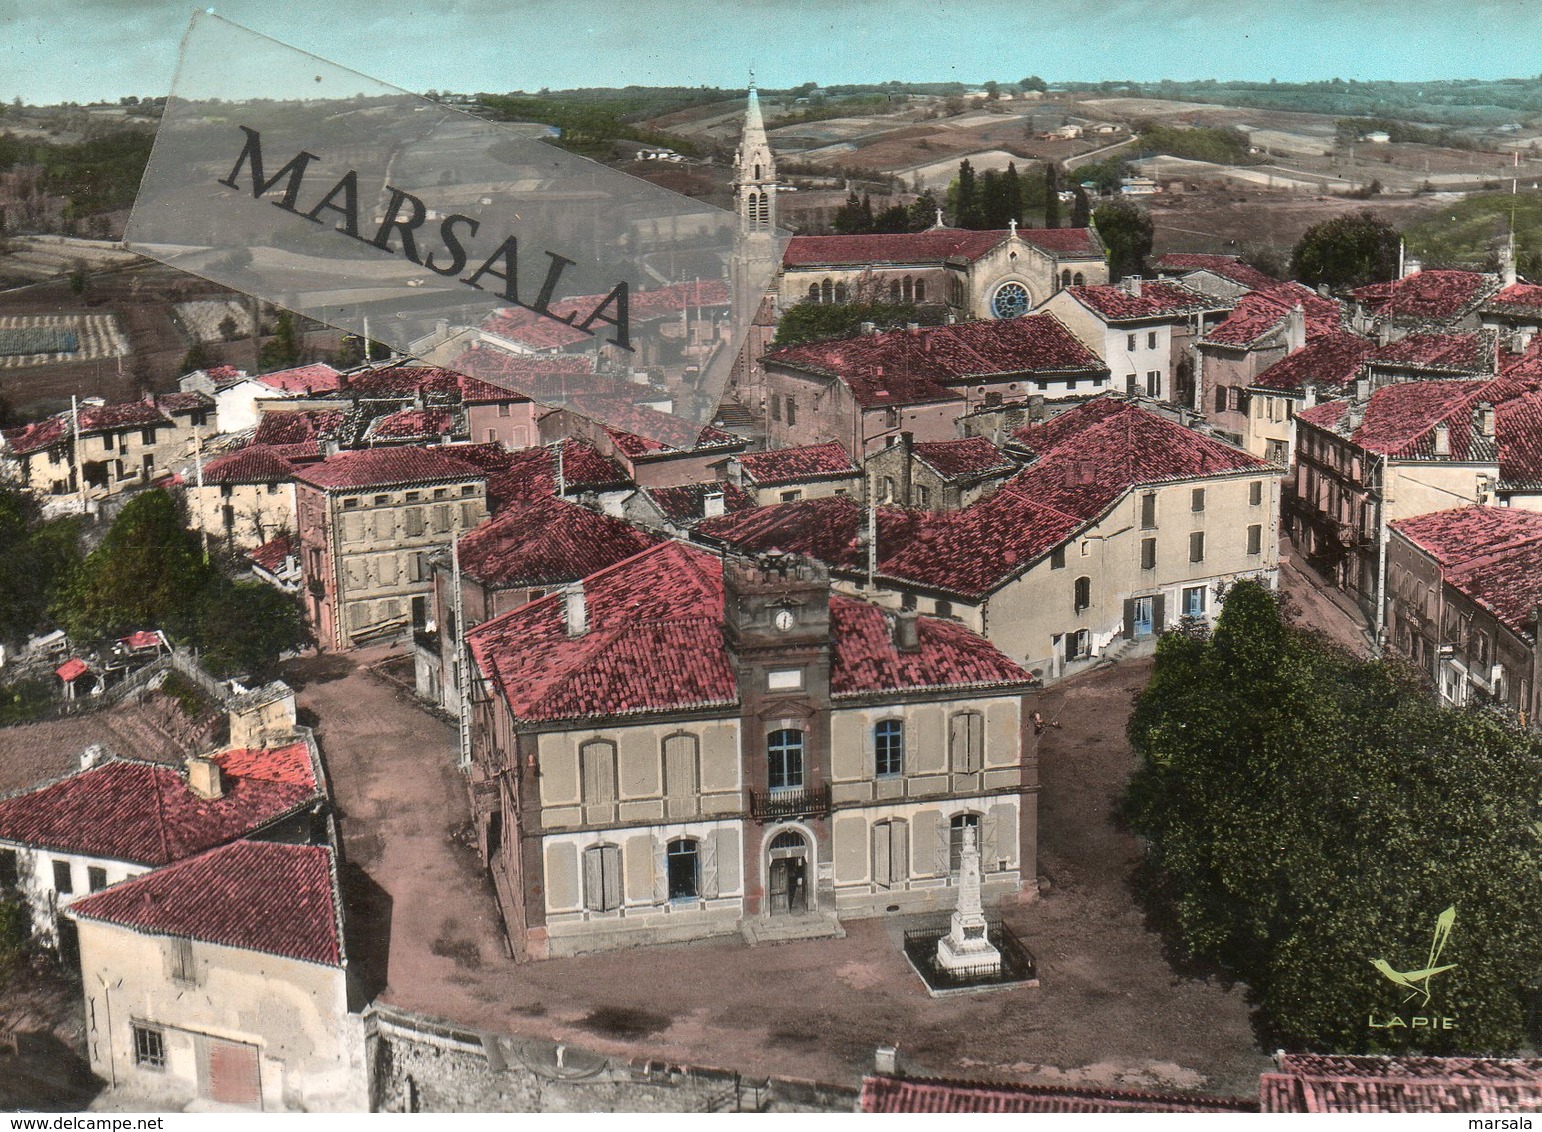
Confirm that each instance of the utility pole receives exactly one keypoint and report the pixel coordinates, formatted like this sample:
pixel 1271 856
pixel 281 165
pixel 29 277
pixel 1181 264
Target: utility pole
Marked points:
pixel 1379 646
pixel 458 643
pixel 80 474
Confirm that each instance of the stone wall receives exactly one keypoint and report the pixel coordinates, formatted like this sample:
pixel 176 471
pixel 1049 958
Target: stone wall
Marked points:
pixel 419 1065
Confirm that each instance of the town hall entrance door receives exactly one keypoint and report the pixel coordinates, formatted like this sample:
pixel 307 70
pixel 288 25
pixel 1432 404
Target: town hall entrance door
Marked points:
pixel 789 874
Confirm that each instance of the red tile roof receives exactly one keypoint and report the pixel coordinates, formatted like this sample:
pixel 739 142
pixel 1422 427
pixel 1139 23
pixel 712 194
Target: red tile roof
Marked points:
pixel 909 1094
pixel 378 467
pixel 1448 353
pixel 1400 419
pixel 1259 317
pixel 1088 459
pixel 145 812
pixel 1522 300
pixel 1436 296
pixel 931 247
pixel 1461 534
pixel 272 554
pixel 274 898
pixel 316 378
pixel 1327 1083
pixel 183 402
pixel 640 432
pixel 520 371
pixel 72 669
pixel 866 661
pixel 826 529
pixel 256 463
pixel 655 643
pixel 532 473
pixel 917 366
pixel 547 541
pixel 413 424
pixel 297 426
pixel 1158 299
pixel 38 435
pixel 685 504
pixel 795 465
pixel 449 385
pixel 129 414
pixel 143 639
pixel 1226 266
pixel 966 458
pixel 1331 362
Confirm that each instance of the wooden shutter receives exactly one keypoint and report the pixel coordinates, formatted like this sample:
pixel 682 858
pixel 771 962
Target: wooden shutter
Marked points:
pixel 681 785
pixel 594 880
pixel 598 770
pixel 610 870
pixel 881 854
pixel 930 833
pixel 1158 612
pixel 1129 618
pixel 660 872
pixel 899 853
pixel 727 850
pixel 706 864
pixel 414 522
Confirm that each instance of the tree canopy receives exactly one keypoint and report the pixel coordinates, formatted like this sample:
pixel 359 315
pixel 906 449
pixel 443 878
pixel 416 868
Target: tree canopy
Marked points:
pixel 1127 233
pixel 1309 820
pixel 35 559
pixel 150 572
pixel 1347 251
pixel 813 322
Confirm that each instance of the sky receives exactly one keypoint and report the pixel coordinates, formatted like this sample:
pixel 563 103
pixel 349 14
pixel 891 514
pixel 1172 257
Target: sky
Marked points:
pixel 91 50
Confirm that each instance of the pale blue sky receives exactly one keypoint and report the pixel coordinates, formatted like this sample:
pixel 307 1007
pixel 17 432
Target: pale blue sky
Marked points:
pixel 85 50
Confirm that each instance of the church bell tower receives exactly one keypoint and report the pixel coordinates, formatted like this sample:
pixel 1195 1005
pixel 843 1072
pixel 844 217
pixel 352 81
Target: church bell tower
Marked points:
pixel 753 266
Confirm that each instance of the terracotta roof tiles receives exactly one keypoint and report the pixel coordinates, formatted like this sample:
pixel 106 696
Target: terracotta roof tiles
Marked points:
pixel 378 467
pixel 966 458
pixel 316 378
pixel 1522 300
pixel 274 898
pixel 795 465
pixel 1330 362
pixel 256 463
pixel 145 813
pixel 1436 296
pixel 925 1095
pixel 685 504
pixel 1158 299
pixel 1329 1083
pixel 1226 266
pixel 547 541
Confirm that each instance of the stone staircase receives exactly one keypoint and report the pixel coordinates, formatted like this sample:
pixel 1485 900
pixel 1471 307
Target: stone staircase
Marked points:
pixel 788 929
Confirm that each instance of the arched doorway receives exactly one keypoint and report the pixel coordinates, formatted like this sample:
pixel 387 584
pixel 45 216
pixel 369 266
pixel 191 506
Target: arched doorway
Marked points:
pixel 787 874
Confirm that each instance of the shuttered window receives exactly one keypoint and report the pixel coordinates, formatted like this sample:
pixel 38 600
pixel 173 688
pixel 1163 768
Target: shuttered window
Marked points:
pixel 602 878
pixel 891 853
pixel 966 742
pixel 597 761
pixel 414 522
pixel 682 775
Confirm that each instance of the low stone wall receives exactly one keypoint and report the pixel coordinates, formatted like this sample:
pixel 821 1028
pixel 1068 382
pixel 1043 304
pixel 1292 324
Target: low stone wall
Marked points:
pixel 419 1065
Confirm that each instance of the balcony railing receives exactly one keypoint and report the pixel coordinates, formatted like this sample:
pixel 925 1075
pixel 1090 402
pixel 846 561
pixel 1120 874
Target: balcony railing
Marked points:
pixel 802 802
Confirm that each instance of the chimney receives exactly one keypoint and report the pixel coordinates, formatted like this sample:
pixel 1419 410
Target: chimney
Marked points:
pixel 94 755
pixel 1521 343
pixel 205 779
pixel 1484 414
pixel 1412 267
pixel 1132 285
pixel 907 635
pixel 869 328
pixel 1309 395
pixel 886 1061
pixel 1295 329
pixel 1354 418
pixel 1442 439
pixel 577 610
pixel 907 469
pixel 712 503
pixel 1363 388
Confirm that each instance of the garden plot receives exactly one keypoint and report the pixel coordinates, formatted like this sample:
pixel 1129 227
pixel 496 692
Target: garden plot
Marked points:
pixel 216 320
pixel 46 339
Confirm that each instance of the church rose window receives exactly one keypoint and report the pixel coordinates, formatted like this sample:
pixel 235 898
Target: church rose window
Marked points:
pixel 1009 301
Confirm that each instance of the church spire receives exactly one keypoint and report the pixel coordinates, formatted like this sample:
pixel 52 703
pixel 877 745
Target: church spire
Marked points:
pixel 754 171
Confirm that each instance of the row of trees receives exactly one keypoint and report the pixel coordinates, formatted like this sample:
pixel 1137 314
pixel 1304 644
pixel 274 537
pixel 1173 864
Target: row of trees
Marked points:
pixel 856 216
pixel 995 198
pixel 1309 820
pixel 148 571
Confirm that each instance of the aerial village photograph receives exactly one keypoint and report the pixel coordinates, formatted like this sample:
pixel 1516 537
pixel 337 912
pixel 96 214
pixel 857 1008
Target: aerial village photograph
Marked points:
pixel 770 557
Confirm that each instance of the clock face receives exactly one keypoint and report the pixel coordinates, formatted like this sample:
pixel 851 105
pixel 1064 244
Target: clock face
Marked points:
pixel 784 619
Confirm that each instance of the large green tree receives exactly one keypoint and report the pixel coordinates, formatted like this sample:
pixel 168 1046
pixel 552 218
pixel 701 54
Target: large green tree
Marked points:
pixel 245 626
pixel 1347 251
pixel 35 559
pixel 813 322
pixel 1307 814
pixel 148 572
pixel 1127 233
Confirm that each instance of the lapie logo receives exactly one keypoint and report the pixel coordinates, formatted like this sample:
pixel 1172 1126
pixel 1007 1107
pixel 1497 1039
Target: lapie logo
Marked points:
pixel 1417 982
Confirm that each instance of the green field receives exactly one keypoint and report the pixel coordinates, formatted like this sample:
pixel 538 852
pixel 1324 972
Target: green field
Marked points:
pixel 1470 233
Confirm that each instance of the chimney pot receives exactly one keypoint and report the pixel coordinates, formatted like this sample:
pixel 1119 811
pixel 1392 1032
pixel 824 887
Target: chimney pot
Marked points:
pixel 1442 440
pixel 205 779
pixel 576 608
pixel 712 504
